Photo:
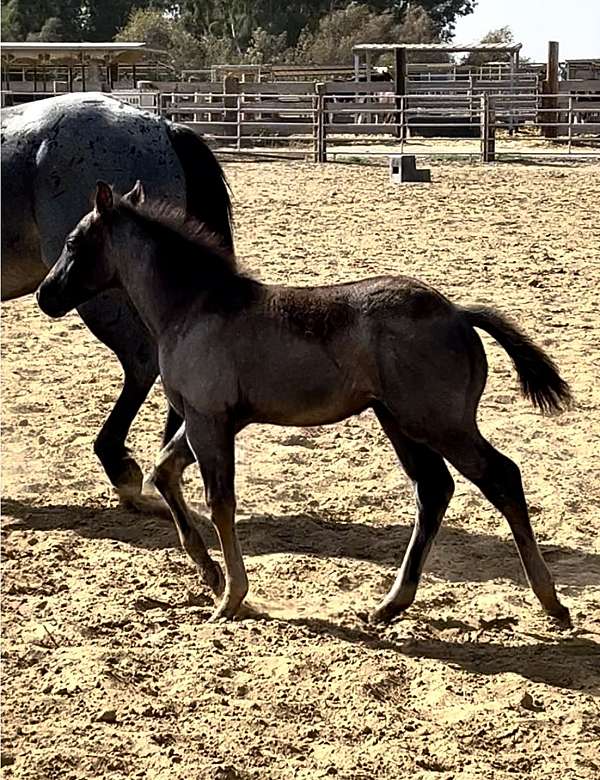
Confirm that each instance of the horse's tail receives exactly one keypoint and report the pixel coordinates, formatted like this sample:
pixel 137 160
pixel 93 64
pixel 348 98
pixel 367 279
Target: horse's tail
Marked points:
pixel 207 190
pixel 538 375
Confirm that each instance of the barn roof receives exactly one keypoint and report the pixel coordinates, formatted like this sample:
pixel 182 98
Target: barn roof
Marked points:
pixel 28 52
pixel 445 47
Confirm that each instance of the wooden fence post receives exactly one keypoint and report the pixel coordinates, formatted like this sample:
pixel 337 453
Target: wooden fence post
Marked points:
pixel 550 90
pixel 321 134
pixel 399 89
pixel 488 130
pixel 231 89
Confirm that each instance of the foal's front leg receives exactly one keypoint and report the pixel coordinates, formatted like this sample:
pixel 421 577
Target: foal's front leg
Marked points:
pixel 212 442
pixel 171 462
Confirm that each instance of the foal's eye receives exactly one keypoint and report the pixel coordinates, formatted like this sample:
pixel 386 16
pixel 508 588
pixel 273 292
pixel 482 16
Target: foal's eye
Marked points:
pixel 70 242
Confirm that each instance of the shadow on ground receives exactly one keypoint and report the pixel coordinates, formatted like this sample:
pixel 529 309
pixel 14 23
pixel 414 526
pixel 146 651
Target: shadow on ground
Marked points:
pixel 570 662
pixel 458 555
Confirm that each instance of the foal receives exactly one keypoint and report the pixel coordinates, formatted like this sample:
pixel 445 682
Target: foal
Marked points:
pixel 234 351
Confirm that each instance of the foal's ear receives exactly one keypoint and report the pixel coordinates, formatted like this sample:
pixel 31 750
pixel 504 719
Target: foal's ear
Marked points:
pixel 137 195
pixel 104 197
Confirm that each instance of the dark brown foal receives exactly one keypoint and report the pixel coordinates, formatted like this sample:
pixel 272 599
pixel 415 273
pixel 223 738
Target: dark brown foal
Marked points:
pixel 235 352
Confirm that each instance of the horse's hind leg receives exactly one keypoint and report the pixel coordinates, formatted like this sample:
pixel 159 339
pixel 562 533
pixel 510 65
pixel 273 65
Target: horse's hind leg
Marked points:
pixel 499 479
pixel 119 465
pixel 433 490
pixel 166 476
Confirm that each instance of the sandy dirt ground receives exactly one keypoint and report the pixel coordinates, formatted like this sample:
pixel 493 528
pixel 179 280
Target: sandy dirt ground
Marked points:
pixel 110 668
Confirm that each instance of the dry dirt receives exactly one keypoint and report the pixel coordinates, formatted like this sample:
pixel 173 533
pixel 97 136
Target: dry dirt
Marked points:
pixel 110 669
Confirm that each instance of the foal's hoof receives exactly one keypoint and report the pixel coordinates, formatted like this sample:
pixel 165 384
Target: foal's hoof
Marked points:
pixel 227 610
pixel 213 577
pixel 384 614
pixel 562 616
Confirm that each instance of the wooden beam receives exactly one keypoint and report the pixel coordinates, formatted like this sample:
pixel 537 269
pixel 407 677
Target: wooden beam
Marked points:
pixel 399 89
pixel 550 116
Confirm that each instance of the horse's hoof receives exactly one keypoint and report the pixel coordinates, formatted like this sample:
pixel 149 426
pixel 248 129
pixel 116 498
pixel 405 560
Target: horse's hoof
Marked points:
pixel 129 476
pixel 562 616
pixel 227 610
pixel 384 614
pixel 248 612
pixel 213 577
pixel 141 502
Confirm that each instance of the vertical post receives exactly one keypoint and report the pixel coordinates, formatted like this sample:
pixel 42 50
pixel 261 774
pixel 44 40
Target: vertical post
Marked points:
pixel 399 86
pixel 315 105
pixel 488 130
pixel 471 94
pixel 239 123
pixel 321 121
pixel 551 92
pixel 231 88
pixel 512 75
pixel 356 57
pixel 403 127
pixel 570 122
pixel 82 74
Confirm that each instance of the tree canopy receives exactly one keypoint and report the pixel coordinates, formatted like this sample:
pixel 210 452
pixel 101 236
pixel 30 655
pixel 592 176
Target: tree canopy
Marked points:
pixel 196 32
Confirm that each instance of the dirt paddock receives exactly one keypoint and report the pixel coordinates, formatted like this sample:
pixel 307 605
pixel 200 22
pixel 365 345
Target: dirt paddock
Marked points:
pixel 110 670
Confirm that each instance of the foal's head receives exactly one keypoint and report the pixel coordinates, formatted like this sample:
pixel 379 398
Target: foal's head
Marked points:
pixel 86 265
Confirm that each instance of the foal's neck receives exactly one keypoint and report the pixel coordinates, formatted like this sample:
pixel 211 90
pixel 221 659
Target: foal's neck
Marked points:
pixel 164 273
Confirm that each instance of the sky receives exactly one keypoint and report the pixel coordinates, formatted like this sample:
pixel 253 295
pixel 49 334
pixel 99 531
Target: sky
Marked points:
pixel 575 24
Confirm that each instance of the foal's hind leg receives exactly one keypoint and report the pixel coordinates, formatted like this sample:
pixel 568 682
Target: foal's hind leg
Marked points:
pixel 499 479
pixel 171 462
pixel 433 490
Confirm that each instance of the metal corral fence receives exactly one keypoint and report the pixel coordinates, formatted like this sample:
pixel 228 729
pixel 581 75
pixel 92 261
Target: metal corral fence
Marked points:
pixel 346 119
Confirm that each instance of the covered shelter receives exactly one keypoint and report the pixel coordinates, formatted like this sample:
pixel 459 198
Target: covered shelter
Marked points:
pixel 363 55
pixel 29 67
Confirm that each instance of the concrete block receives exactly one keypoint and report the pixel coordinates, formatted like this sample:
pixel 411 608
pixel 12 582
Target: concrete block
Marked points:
pixel 403 168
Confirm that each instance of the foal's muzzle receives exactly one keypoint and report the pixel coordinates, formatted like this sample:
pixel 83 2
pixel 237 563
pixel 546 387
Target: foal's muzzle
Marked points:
pixel 50 303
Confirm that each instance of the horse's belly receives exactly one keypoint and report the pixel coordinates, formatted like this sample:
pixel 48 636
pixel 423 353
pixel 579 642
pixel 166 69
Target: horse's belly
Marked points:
pixel 307 392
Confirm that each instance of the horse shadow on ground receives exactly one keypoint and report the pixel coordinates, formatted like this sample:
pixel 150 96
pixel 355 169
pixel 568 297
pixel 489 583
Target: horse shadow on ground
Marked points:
pixel 458 555
pixel 568 662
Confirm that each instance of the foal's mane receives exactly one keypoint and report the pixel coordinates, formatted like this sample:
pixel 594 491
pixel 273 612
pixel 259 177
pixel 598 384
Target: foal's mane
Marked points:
pixel 165 222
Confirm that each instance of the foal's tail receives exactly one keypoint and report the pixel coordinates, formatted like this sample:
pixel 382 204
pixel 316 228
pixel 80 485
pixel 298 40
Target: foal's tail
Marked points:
pixel 538 375
pixel 207 190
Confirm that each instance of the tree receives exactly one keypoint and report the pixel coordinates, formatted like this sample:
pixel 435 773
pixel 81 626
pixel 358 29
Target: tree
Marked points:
pixel 53 29
pixel 164 33
pixel 339 31
pixel 442 13
pixel 22 17
pixel 502 35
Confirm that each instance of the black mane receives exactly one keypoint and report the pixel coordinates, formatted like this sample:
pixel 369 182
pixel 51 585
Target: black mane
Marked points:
pixel 193 259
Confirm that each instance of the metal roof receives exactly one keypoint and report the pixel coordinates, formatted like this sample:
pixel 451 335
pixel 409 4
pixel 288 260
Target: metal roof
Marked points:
pixel 129 51
pixel 446 47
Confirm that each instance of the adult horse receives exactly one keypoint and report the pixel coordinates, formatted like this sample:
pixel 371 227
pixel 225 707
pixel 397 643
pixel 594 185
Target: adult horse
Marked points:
pixel 53 152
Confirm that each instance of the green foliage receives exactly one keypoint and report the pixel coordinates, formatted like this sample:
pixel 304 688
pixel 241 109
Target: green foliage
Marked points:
pixel 331 43
pixel 163 33
pixel 53 29
pixel 206 32
pixel 502 35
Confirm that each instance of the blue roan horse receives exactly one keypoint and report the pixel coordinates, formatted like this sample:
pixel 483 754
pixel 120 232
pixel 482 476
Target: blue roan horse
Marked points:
pixel 53 152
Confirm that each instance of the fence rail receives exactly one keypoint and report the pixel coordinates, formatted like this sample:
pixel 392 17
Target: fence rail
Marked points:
pixel 343 117
pixel 323 121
